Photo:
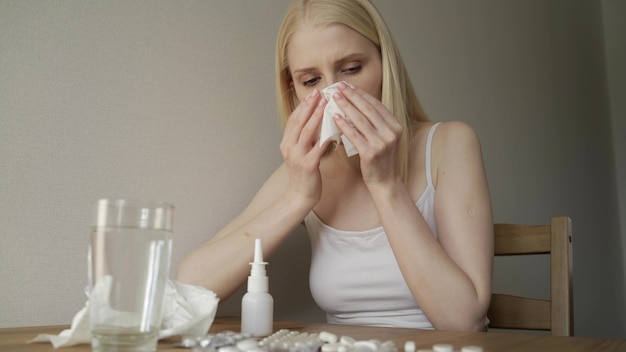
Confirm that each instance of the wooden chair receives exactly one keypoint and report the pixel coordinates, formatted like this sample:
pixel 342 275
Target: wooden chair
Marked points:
pixel 555 315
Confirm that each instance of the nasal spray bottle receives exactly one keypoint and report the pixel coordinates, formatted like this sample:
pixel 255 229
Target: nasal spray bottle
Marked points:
pixel 257 305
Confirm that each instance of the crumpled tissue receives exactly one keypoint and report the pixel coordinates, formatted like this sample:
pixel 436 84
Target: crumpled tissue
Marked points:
pixel 329 130
pixel 187 310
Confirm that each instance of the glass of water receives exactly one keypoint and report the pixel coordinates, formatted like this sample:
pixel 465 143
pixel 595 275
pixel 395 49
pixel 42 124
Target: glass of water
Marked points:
pixel 129 262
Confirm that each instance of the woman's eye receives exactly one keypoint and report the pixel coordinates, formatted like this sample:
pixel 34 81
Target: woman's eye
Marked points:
pixel 351 69
pixel 310 82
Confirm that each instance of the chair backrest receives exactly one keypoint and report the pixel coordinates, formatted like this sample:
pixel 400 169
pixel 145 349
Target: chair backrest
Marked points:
pixel 555 315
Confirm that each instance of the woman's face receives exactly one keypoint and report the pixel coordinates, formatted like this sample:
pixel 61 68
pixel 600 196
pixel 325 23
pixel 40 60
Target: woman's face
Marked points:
pixel 321 56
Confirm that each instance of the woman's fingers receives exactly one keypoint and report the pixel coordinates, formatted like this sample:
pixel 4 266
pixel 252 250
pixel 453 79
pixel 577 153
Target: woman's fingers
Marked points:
pixel 302 130
pixel 352 105
pixel 371 122
pixel 303 121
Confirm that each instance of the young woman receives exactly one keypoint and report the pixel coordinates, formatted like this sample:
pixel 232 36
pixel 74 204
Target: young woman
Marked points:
pixel 401 233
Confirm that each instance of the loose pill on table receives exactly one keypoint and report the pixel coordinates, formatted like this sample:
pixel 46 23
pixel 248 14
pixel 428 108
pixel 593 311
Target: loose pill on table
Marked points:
pixel 387 346
pixel 365 346
pixel 443 348
pixel 472 349
pixel 247 344
pixel 347 340
pixel 344 348
pixel 228 349
pixel 331 347
pixel 189 341
pixel 328 337
pixel 409 346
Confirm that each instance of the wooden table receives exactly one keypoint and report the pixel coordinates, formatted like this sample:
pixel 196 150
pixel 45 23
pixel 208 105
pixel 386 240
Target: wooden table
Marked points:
pixel 14 339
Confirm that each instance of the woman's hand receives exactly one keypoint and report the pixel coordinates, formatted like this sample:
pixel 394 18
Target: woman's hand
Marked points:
pixel 300 151
pixel 373 131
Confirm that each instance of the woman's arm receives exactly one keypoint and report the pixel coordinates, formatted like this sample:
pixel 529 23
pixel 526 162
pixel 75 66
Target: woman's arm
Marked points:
pixel 221 264
pixel 449 276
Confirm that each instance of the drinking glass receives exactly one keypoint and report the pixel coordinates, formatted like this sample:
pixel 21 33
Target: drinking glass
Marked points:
pixel 129 262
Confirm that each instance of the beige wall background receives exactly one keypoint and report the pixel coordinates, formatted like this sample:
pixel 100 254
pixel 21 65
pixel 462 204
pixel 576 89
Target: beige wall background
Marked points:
pixel 174 100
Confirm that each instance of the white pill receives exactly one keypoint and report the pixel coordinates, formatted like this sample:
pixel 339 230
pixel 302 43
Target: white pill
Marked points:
pixel 247 344
pixel 366 346
pixel 388 346
pixel 328 337
pixel 472 349
pixel 443 348
pixel 331 347
pixel 409 346
pixel 376 342
pixel 347 340
pixel 228 349
pixel 344 348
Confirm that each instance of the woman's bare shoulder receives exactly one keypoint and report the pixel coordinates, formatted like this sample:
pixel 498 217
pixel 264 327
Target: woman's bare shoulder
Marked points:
pixel 448 135
pixel 454 135
pixel 456 148
pixel 452 142
pixel 457 128
pixel 448 128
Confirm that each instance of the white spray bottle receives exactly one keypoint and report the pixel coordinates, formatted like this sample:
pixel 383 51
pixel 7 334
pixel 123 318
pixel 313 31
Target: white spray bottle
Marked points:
pixel 257 305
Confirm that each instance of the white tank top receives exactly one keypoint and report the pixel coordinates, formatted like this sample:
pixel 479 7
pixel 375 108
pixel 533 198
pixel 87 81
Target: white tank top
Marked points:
pixel 354 275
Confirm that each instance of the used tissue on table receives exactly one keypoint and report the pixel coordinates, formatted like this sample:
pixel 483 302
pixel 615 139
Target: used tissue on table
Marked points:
pixel 329 130
pixel 187 310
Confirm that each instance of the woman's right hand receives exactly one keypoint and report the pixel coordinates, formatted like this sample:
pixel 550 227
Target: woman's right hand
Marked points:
pixel 278 207
pixel 300 150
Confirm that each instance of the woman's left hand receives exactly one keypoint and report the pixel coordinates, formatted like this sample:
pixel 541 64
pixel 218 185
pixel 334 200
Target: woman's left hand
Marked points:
pixel 373 131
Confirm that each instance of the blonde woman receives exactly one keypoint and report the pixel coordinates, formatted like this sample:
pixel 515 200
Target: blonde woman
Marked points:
pixel 401 233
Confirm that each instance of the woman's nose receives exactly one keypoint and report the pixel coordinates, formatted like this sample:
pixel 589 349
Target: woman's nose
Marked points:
pixel 329 80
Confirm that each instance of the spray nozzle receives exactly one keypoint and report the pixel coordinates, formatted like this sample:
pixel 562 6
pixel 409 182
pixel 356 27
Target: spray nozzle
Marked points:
pixel 258 265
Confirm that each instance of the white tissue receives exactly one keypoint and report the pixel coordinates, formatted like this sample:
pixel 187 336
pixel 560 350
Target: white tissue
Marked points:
pixel 187 310
pixel 329 130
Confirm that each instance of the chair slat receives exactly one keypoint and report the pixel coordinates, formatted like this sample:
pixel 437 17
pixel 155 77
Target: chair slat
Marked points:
pixel 521 239
pixel 512 312
pixel 561 264
pixel 555 315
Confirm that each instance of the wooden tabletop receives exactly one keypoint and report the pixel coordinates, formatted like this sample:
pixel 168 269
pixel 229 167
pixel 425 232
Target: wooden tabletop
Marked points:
pixel 15 339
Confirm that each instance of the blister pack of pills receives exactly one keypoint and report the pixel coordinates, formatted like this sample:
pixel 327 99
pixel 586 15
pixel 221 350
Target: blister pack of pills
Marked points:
pixel 297 341
pixel 284 341
pixel 225 341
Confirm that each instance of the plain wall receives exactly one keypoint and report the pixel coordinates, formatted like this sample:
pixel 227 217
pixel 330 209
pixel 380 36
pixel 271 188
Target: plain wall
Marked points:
pixel 175 101
pixel 613 12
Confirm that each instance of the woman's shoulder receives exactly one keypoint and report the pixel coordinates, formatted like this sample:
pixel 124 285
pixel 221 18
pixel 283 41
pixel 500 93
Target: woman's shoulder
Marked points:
pixel 453 144
pixel 447 126
pixel 450 134
pixel 454 135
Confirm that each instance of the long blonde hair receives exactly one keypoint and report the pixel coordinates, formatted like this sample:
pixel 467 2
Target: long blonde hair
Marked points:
pixel 361 16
